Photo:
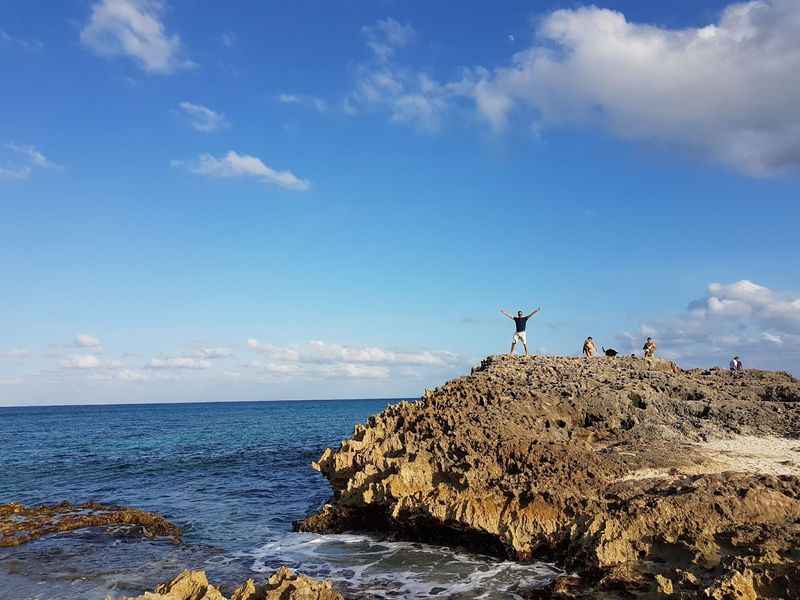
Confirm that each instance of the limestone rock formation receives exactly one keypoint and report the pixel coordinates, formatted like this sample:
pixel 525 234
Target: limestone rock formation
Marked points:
pixel 20 524
pixel 633 473
pixel 284 584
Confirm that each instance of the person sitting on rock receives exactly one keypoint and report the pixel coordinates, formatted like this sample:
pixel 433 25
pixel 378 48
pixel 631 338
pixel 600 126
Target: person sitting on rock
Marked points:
pixel 649 347
pixel 589 348
pixel 735 364
pixel 521 321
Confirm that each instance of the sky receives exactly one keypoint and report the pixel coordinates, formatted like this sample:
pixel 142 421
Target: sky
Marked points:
pixel 335 199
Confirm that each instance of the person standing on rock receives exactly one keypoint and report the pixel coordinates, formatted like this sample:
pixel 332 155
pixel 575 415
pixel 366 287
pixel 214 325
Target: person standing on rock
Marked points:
pixel 521 321
pixel 649 348
pixel 589 347
pixel 736 365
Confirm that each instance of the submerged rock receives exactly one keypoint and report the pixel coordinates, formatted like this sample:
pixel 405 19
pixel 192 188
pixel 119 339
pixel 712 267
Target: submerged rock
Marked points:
pixel 20 524
pixel 284 584
pixel 609 466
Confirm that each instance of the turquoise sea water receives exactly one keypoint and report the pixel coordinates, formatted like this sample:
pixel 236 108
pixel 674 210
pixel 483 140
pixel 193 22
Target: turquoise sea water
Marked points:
pixel 234 476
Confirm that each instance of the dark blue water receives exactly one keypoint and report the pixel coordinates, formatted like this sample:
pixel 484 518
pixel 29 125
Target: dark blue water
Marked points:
pixel 233 476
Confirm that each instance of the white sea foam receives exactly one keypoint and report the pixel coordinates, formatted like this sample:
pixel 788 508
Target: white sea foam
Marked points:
pixel 378 569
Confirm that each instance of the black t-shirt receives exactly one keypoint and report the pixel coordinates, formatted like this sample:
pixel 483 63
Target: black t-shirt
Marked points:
pixel 520 321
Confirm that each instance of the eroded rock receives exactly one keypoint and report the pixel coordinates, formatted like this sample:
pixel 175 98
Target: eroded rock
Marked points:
pixel 599 464
pixel 284 584
pixel 20 524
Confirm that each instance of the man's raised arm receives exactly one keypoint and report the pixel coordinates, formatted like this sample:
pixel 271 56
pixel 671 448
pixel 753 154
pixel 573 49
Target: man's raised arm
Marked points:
pixel 534 312
pixel 506 314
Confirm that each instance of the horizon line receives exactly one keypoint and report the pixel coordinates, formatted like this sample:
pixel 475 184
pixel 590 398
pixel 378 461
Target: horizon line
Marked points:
pixel 98 404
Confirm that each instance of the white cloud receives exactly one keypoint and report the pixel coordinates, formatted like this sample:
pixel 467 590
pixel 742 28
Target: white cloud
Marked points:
pixel 132 375
pixel 88 341
pixel 212 353
pixel 695 88
pixel 22 43
pixel 317 351
pixel 134 28
pixel 179 362
pixel 274 352
pixel 305 100
pixel 737 318
pixel 14 173
pixel 228 39
pixel 769 337
pixel 15 353
pixel 203 118
pixel 322 371
pixel 33 160
pixel 727 91
pixel 386 36
pixel 317 359
pixel 33 156
pixel 410 96
pixel 89 361
pixel 243 165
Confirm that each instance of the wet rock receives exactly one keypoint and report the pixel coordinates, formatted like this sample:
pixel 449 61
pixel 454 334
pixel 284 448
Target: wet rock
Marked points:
pixel 189 585
pixel 598 464
pixel 284 584
pixel 20 524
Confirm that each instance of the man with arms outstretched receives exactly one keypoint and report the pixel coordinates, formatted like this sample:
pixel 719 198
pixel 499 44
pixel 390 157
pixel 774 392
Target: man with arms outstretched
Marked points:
pixel 520 320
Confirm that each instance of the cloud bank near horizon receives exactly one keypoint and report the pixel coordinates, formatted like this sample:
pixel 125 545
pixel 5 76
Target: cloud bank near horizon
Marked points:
pixel 760 324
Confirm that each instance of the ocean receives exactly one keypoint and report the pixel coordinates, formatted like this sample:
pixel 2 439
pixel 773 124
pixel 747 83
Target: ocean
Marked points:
pixel 233 476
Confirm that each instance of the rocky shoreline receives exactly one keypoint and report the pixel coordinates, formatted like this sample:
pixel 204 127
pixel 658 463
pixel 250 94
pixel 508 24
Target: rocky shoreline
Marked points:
pixel 642 479
pixel 639 479
pixel 20 524
pixel 283 584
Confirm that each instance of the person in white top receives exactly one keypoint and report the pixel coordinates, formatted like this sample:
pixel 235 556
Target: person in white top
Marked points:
pixel 735 364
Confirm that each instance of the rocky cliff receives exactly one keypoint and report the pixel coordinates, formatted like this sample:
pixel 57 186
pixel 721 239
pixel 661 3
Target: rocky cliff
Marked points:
pixel 641 478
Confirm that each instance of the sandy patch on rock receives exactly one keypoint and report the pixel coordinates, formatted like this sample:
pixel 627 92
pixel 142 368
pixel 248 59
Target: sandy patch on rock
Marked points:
pixel 743 453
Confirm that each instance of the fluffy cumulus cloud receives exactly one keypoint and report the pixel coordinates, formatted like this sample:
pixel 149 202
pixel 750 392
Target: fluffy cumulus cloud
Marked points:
pixel 700 90
pixel 134 28
pixel 322 359
pixel 233 164
pixel 742 318
pixel 203 118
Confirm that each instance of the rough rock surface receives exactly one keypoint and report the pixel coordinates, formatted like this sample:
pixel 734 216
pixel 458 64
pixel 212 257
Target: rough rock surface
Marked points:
pixel 284 584
pixel 553 458
pixel 20 524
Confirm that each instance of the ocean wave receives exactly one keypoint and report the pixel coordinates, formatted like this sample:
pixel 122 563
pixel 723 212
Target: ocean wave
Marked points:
pixel 374 568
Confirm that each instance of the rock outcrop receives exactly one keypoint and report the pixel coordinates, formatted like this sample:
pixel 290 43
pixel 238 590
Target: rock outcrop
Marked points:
pixel 612 467
pixel 284 584
pixel 20 524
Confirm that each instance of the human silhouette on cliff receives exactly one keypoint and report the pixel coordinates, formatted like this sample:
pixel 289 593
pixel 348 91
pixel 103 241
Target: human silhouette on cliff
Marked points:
pixel 521 321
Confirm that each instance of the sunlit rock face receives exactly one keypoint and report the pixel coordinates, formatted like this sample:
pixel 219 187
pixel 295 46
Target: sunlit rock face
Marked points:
pixel 284 584
pixel 611 466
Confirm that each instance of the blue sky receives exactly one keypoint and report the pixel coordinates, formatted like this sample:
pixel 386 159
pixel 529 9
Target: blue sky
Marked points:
pixel 335 199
